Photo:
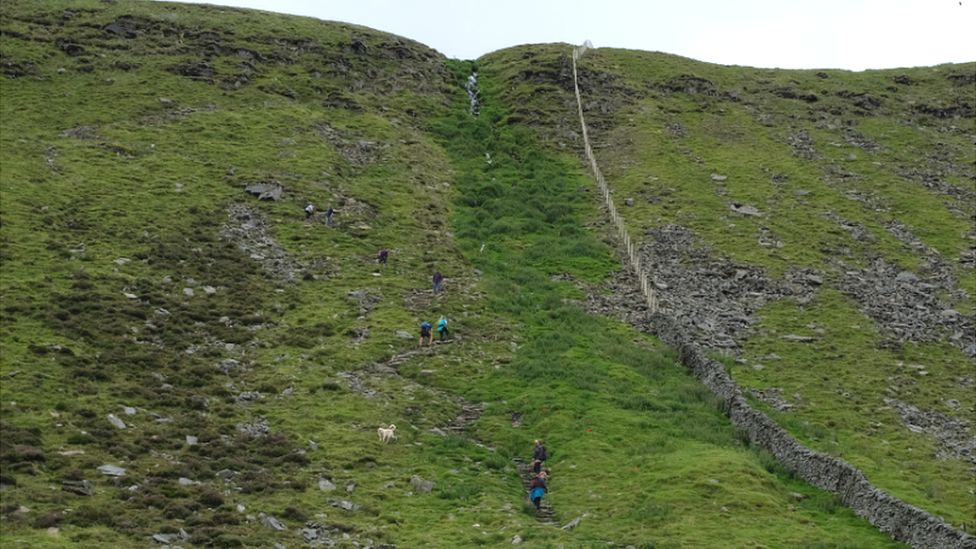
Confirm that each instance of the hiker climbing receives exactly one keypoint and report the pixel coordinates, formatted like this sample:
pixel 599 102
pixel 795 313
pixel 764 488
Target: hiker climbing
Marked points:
pixel 539 456
pixel 382 256
pixel 438 280
pixel 442 328
pixel 309 211
pixel 425 332
pixel 328 216
pixel 537 489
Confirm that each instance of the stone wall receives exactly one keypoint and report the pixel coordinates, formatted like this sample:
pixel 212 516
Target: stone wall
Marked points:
pixel 898 519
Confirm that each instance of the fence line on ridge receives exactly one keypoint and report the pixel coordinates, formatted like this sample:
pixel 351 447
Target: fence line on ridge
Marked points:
pixel 618 222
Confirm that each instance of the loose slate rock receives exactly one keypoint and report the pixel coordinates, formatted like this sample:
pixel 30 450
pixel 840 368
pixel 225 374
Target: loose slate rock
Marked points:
pixel 816 280
pixel 265 191
pixel 326 485
pixel 344 504
pixel 906 276
pixel 272 522
pixel 80 487
pixel 165 539
pixel 799 338
pixel 256 428
pixel 115 421
pixel 227 365
pixel 572 524
pixel 745 209
pixel 111 470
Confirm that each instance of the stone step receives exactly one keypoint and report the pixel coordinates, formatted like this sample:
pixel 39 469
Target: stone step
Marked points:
pixel 545 514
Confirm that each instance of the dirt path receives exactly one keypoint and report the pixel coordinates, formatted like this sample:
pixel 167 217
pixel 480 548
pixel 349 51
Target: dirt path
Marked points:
pixel 469 413
pixel 545 514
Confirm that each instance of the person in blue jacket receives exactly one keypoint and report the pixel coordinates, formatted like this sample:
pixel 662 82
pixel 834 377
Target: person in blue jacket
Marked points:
pixel 442 328
pixel 425 332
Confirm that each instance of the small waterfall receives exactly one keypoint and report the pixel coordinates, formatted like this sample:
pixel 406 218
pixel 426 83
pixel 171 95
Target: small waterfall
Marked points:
pixel 471 86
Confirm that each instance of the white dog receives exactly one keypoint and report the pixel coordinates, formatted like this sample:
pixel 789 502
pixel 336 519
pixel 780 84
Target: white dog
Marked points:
pixel 387 435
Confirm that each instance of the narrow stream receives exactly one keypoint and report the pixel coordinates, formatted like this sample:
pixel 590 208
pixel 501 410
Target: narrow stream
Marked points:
pixel 471 86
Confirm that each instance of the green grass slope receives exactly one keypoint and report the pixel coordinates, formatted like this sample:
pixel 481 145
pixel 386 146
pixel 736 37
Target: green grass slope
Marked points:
pixel 863 180
pixel 137 272
pixel 251 354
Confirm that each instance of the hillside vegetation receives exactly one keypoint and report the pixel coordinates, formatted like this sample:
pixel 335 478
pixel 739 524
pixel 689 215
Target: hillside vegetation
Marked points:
pixel 186 363
pixel 813 228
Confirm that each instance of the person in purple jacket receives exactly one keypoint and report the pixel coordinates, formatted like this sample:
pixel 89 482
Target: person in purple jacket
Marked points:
pixel 438 280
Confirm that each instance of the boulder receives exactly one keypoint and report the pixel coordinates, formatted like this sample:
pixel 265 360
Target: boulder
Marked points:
pixel 421 485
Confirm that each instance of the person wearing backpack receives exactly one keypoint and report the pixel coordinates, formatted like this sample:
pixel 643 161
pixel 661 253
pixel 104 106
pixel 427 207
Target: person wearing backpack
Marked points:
pixel 425 332
pixel 442 328
pixel 309 211
pixel 537 489
pixel 539 456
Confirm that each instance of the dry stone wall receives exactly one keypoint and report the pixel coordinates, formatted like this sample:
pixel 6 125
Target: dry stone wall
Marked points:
pixel 898 519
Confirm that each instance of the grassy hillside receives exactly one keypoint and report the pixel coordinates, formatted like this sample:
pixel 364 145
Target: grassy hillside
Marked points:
pixel 814 228
pixel 235 359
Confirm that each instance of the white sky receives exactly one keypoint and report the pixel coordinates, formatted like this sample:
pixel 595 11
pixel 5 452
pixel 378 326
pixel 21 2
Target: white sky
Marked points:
pixel 846 34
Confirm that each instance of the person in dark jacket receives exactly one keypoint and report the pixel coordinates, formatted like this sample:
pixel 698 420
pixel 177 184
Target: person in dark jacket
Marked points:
pixel 539 456
pixel 537 489
pixel 382 256
pixel 438 280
